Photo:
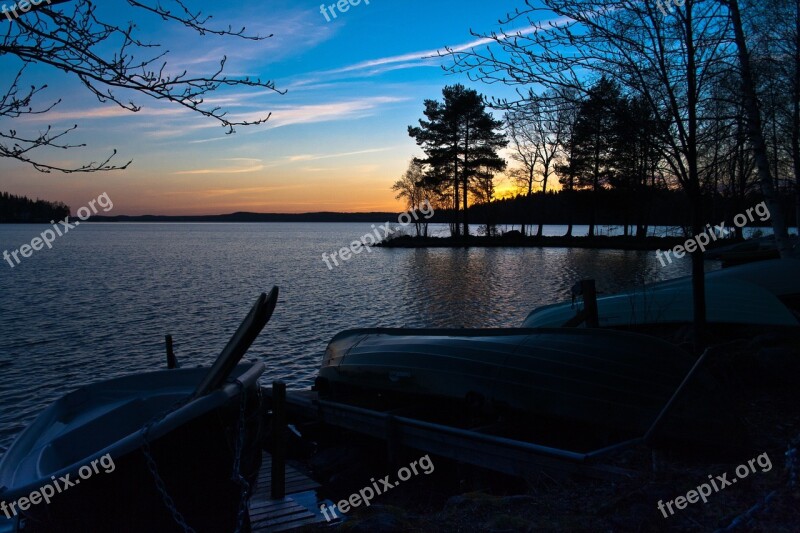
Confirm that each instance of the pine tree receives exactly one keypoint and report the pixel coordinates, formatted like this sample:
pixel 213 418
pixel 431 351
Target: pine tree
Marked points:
pixel 460 139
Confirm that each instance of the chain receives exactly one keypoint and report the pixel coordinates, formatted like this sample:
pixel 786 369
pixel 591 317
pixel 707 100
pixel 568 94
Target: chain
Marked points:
pixel 169 503
pixel 237 458
pixel 237 476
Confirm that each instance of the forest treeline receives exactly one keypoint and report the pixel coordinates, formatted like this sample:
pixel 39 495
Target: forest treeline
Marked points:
pixel 658 208
pixel 599 152
pixel 619 104
pixel 22 209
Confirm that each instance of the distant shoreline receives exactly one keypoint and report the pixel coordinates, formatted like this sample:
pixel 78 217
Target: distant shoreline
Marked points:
pixel 254 217
pixel 328 217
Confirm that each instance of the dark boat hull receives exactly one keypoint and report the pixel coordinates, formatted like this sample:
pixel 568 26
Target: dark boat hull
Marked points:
pixel 600 383
pixel 193 455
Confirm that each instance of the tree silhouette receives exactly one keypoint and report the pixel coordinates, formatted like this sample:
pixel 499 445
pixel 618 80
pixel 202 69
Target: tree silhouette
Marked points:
pixel 592 151
pixel 110 61
pixel 460 141
pixel 666 58
pixel 413 188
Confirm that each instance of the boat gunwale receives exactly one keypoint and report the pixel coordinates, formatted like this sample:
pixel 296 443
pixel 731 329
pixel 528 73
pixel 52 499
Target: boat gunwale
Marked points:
pixel 168 420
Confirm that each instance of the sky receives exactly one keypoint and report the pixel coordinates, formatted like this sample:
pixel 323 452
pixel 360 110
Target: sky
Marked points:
pixel 336 140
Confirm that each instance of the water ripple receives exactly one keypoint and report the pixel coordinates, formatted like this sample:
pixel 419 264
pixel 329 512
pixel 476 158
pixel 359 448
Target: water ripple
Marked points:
pixel 99 303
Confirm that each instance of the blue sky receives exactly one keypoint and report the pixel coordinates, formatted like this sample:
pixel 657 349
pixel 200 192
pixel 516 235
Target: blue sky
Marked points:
pixel 336 140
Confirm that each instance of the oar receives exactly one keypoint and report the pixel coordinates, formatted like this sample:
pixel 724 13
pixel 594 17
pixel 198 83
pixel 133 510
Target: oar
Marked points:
pixel 247 332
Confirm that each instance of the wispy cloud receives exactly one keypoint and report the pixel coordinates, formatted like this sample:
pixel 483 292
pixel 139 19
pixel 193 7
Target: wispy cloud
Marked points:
pixel 110 111
pixel 422 58
pixel 293 31
pixel 317 157
pixel 255 166
pixel 238 98
pixel 312 113
pixel 239 191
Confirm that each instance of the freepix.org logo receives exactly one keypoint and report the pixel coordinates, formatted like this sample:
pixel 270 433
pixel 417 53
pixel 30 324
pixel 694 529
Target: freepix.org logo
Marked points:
pixel 17 10
pixel 343 6
pixel 48 491
pixel 48 236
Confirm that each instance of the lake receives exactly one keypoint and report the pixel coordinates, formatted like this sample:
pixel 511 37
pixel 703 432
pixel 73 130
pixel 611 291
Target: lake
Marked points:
pixel 98 304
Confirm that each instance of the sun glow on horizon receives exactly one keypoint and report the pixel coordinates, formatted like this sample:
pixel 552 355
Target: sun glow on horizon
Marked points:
pixel 336 140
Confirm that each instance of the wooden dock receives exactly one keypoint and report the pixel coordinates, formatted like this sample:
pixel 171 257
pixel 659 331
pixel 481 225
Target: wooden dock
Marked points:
pixel 297 509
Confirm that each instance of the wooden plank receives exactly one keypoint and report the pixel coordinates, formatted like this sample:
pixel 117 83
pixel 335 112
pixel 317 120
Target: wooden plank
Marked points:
pixel 300 482
pixel 266 502
pixel 275 505
pixel 289 527
pixel 299 518
pixel 292 488
pixel 285 514
pixel 302 514
pixel 279 514
pixel 296 482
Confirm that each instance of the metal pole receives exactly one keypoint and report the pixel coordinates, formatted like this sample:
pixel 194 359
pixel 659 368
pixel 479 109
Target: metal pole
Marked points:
pixel 172 361
pixel 590 303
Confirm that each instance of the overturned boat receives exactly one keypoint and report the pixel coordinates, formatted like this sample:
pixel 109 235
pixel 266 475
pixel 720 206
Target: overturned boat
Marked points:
pixel 747 251
pixel 754 294
pixel 585 387
pixel 779 277
pixel 182 444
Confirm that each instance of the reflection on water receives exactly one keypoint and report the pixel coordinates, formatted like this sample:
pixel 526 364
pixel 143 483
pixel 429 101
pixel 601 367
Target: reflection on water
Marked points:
pixel 492 287
pixel 100 302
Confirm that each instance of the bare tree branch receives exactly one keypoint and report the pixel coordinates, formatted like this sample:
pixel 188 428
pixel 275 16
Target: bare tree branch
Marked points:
pixel 78 42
